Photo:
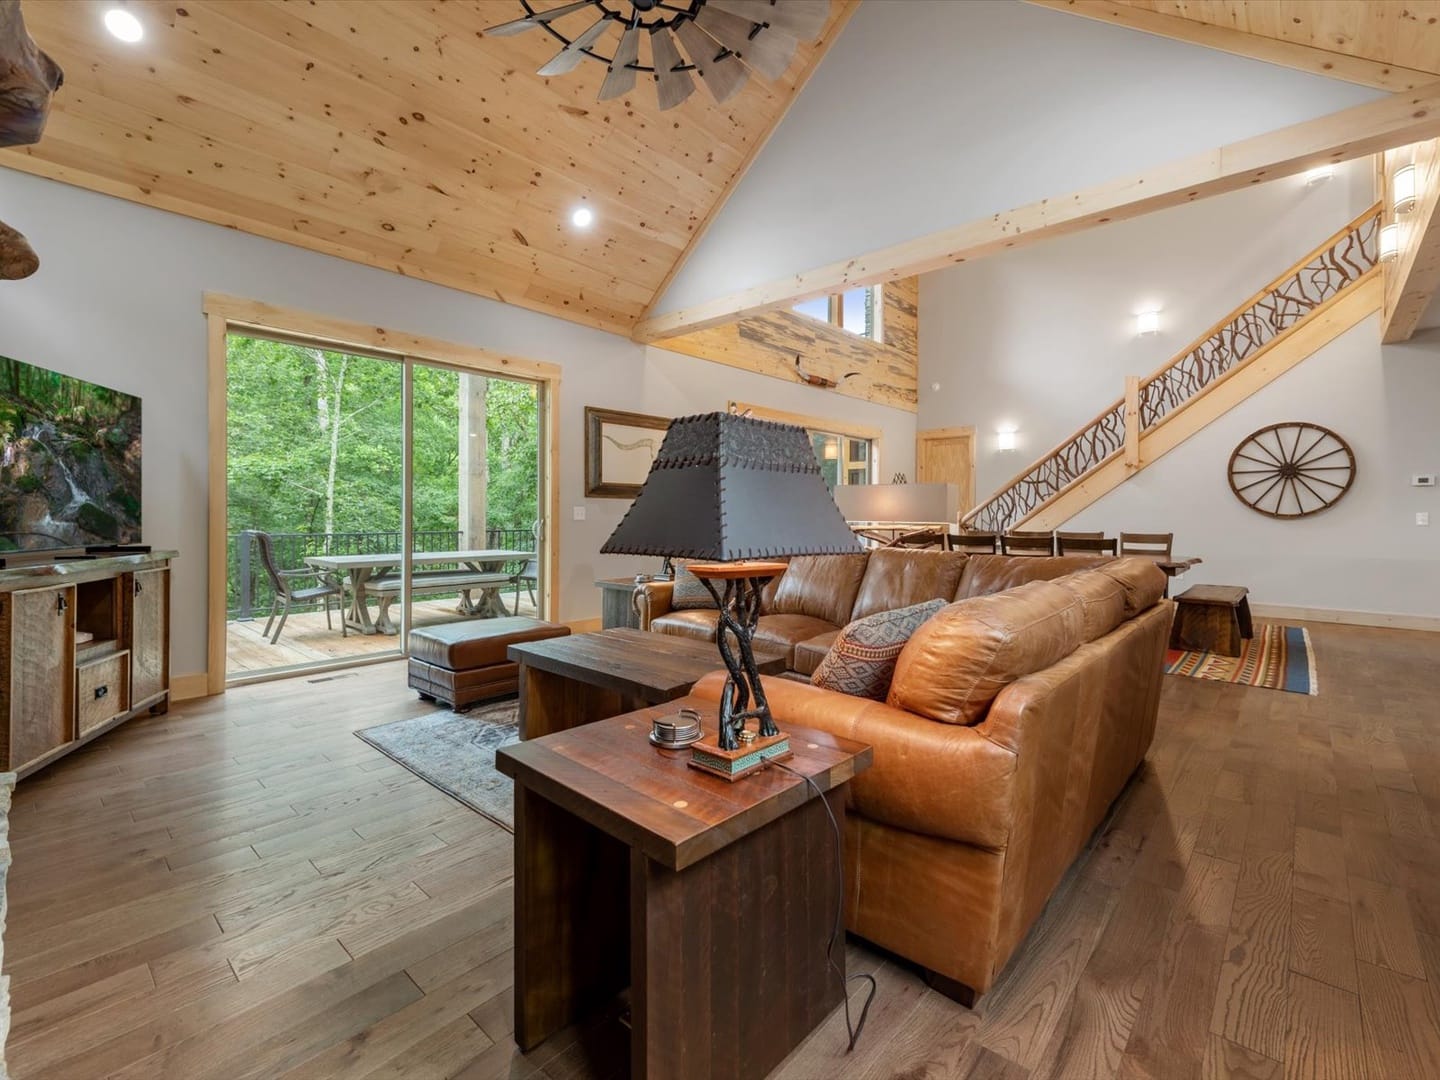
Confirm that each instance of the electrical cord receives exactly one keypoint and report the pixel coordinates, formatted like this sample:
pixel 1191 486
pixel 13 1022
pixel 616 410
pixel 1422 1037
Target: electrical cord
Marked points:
pixel 855 1029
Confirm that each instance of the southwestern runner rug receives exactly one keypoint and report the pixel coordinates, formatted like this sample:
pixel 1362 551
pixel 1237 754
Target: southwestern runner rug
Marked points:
pixel 1276 658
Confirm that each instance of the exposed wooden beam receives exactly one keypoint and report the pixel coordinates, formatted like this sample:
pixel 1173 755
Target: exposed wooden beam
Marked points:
pixel 1412 280
pixel 1342 136
pixel 1353 69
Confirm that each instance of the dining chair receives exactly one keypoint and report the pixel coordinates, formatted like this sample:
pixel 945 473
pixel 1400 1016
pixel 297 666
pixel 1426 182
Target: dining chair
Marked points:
pixel 284 583
pixel 1027 542
pixel 1084 543
pixel 529 576
pixel 1151 545
pixel 973 543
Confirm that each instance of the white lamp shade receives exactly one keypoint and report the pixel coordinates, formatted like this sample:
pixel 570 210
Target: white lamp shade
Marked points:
pixel 1147 322
pixel 1319 174
pixel 1389 242
pixel 1005 439
pixel 1403 188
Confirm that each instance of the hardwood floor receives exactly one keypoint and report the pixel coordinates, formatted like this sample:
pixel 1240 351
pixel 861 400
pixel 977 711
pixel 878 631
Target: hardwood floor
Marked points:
pixel 242 888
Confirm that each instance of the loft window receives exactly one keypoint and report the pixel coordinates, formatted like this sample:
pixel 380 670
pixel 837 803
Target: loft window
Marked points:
pixel 854 310
pixel 843 459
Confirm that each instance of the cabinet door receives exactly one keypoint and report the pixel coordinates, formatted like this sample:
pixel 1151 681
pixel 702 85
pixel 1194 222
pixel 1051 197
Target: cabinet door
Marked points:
pixel 42 672
pixel 150 639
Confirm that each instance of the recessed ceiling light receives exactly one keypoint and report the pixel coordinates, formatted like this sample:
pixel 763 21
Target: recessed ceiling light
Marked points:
pixel 124 25
pixel 582 217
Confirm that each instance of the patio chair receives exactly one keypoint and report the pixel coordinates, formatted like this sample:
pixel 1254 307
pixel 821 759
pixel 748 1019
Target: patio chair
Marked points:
pixel 284 581
pixel 529 577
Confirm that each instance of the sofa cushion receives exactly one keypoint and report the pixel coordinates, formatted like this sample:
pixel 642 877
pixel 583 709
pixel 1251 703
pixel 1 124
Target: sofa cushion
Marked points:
pixel 986 574
pixel 821 586
pixel 899 578
pixel 1102 599
pixel 690 592
pixel 782 633
pixel 862 660
pixel 1142 580
pixel 697 623
pixel 959 660
pixel 808 654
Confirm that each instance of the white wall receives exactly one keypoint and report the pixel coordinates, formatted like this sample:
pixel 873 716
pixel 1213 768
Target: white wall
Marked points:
pixel 117 301
pixel 1042 338
pixel 930 113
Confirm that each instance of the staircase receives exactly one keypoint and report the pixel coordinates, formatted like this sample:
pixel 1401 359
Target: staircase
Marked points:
pixel 1310 304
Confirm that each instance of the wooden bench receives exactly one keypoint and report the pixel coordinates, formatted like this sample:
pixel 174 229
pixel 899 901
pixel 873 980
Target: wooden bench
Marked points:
pixel 432 582
pixel 1212 618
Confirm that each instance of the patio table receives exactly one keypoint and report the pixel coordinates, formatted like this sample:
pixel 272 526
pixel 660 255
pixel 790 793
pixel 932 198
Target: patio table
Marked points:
pixel 367 569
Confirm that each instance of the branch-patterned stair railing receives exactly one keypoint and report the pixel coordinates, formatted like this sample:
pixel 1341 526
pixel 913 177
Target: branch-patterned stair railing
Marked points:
pixel 1334 266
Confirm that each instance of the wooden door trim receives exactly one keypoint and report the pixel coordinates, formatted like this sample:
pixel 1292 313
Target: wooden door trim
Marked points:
pixel 967 432
pixel 225 314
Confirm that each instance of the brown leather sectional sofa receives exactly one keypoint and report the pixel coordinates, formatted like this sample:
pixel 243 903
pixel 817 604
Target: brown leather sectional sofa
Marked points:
pixel 977 801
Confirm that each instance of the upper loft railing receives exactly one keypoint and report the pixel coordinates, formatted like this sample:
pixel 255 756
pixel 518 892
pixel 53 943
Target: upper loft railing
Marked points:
pixel 1230 344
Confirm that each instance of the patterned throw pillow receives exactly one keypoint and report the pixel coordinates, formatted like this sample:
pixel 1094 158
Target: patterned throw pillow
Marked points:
pixel 690 592
pixel 862 660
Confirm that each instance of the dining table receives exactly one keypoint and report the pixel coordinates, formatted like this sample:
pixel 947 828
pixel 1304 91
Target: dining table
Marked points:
pixel 365 572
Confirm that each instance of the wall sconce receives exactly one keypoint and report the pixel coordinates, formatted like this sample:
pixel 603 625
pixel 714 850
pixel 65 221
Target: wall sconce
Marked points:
pixel 1005 438
pixel 1402 187
pixel 1389 242
pixel 1147 322
pixel 1319 175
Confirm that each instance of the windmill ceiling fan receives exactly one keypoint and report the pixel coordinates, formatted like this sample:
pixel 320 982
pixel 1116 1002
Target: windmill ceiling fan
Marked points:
pixel 725 40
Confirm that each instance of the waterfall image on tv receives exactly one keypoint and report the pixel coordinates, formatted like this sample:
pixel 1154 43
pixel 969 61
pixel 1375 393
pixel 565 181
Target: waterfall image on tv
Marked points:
pixel 69 461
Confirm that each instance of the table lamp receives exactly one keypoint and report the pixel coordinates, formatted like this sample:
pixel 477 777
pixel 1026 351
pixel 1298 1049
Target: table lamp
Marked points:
pixel 737 494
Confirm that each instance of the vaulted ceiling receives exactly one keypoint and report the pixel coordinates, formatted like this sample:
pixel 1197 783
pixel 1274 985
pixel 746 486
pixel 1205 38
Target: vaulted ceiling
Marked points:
pixel 395 133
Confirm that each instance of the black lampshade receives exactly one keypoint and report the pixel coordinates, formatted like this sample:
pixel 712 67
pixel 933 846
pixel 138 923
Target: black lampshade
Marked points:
pixel 729 487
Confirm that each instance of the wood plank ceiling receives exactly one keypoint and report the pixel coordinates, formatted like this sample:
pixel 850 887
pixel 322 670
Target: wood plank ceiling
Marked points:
pixel 394 133
pixel 1403 33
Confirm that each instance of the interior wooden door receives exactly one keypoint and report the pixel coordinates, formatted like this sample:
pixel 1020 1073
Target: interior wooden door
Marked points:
pixel 947 456
pixel 42 672
pixel 149 641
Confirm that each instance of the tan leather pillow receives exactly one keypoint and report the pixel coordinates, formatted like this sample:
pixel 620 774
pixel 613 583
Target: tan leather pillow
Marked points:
pixel 1142 580
pixel 1102 599
pixel 957 663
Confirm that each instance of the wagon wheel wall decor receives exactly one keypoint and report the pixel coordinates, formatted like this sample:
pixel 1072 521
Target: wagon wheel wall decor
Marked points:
pixel 1292 470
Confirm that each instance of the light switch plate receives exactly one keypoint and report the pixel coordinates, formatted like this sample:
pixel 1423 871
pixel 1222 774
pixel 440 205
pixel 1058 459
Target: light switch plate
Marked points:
pixel 1423 480
pixel 579 512
pixel 1422 518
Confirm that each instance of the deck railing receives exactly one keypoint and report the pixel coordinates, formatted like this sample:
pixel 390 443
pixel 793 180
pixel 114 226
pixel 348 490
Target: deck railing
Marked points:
pixel 249 589
pixel 1337 264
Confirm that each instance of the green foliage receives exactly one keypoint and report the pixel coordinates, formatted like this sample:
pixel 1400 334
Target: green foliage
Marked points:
pixel 29 483
pixel 283 400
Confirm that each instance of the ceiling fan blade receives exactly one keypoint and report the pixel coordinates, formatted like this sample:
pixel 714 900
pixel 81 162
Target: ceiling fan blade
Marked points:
pixel 621 79
pixel 724 76
pixel 803 19
pixel 516 26
pixel 568 58
pixel 671 86
pixel 769 51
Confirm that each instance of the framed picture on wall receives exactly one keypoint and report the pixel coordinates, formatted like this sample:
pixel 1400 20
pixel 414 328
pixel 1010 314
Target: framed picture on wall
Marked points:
pixel 619 449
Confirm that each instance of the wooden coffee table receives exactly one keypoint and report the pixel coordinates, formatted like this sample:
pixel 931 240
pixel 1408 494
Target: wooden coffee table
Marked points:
pixel 713 902
pixel 579 679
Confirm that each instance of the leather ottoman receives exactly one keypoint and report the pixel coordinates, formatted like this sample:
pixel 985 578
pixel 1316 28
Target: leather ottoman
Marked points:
pixel 461 663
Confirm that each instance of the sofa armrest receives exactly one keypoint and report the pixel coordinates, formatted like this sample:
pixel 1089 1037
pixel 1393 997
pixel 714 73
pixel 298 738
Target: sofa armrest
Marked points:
pixel 937 779
pixel 651 600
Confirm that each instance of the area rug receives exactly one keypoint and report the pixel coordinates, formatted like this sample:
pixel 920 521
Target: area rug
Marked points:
pixel 455 752
pixel 1276 658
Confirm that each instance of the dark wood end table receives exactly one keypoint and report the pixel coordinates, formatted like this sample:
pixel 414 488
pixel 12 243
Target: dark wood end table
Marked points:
pixel 1212 618
pixel 565 682
pixel 714 902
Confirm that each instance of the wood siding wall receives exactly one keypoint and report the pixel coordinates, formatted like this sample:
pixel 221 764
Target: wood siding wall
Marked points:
pixel 885 372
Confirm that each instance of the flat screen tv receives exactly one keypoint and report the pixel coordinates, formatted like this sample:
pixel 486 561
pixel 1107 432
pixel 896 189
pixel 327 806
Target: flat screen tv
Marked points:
pixel 69 461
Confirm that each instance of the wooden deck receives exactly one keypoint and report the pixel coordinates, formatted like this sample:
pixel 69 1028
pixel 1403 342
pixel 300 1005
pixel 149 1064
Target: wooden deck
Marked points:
pixel 306 639
pixel 242 888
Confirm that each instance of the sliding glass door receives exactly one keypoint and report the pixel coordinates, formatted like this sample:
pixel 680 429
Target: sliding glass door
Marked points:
pixel 367 494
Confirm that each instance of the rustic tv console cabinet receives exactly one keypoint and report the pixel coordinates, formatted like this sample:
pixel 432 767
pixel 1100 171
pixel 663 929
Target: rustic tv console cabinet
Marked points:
pixel 84 646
